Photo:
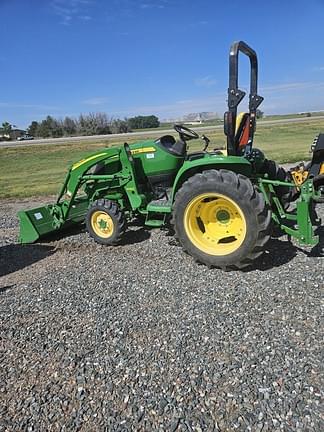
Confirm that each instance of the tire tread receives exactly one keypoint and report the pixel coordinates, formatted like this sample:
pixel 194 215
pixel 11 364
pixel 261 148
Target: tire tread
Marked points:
pixel 243 186
pixel 117 213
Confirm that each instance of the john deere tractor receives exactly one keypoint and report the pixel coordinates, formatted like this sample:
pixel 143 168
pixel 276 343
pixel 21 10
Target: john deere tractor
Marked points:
pixel 221 205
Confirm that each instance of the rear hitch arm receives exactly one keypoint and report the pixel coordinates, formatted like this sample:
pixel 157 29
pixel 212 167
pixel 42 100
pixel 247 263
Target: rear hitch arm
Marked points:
pixel 303 230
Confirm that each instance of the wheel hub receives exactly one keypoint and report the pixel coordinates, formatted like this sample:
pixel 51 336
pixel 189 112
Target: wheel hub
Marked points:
pixel 102 224
pixel 223 216
pixel 215 224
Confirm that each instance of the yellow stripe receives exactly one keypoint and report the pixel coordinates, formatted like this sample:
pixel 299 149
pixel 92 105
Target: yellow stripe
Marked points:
pixel 83 161
pixel 143 150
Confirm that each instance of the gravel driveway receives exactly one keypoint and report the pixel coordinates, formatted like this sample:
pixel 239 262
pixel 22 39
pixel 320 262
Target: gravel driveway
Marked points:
pixel 140 337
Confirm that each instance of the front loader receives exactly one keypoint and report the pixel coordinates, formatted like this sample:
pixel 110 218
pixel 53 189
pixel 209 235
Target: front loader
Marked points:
pixel 221 205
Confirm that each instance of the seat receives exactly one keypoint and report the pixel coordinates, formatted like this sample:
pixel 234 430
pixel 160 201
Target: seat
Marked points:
pixel 242 130
pixel 179 148
pixel 168 142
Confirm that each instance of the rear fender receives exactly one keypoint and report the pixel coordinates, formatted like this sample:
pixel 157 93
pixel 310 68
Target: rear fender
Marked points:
pixel 236 164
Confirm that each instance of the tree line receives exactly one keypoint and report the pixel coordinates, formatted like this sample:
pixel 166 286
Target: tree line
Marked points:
pixel 86 124
pixel 89 124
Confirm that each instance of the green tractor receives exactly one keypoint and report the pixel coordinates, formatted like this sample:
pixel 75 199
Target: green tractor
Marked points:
pixel 221 205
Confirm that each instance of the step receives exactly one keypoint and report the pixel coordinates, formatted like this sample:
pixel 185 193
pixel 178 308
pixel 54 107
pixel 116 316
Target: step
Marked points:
pixel 159 206
pixel 155 223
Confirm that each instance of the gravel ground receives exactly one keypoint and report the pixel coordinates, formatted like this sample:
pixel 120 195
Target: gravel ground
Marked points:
pixel 140 337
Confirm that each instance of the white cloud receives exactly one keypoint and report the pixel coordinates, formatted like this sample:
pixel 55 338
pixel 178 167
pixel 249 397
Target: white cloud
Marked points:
pixel 279 98
pixel 151 6
pixel 292 97
pixel 184 102
pixel 27 106
pixel 207 81
pixel 67 10
pixel 290 86
pixel 176 108
pixel 95 101
pixel 85 17
pixel 318 69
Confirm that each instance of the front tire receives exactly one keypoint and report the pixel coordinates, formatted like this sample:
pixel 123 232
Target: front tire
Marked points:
pixel 221 220
pixel 105 222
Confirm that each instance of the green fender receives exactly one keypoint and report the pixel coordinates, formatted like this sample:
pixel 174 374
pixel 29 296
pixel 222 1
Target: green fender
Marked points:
pixel 236 164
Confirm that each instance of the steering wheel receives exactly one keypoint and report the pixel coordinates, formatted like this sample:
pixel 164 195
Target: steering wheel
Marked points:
pixel 185 133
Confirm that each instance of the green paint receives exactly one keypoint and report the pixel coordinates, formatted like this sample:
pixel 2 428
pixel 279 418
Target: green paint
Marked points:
pixel 124 180
pixel 302 229
pixel 102 224
pixel 223 216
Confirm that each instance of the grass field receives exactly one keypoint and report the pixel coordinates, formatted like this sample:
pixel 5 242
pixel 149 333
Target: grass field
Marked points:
pixel 40 170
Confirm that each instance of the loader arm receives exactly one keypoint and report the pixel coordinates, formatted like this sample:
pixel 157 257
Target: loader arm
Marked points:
pixel 69 207
pixel 78 170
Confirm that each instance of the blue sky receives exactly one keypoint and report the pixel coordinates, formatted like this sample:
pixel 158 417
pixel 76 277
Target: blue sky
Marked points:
pixel 162 57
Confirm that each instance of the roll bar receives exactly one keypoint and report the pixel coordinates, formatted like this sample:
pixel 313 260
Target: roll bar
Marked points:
pixel 235 95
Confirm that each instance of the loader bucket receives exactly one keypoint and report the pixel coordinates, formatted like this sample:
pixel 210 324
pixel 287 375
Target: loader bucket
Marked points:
pixel 35 223
pixel 39 222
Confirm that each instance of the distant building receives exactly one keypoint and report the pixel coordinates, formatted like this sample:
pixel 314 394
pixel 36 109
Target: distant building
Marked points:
pixel 193 123
pixel 13 135
pixel 197 121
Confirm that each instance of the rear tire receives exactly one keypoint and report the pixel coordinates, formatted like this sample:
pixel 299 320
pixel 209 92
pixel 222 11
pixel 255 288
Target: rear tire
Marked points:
pixel 221 220
pixel 105 222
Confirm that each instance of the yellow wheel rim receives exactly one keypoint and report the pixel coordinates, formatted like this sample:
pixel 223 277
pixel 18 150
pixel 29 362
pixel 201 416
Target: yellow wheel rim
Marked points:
pixel 102 224
pixel 215 224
